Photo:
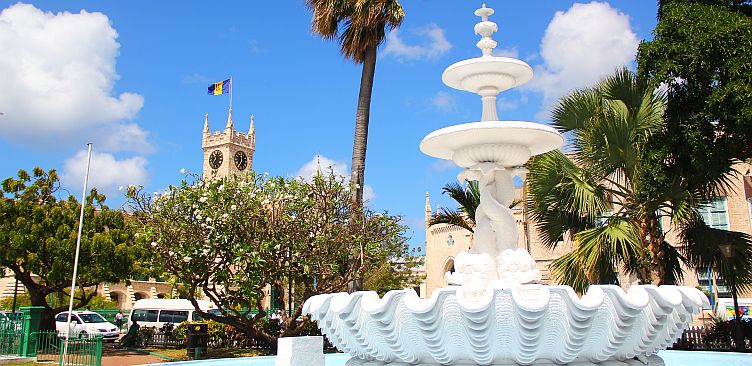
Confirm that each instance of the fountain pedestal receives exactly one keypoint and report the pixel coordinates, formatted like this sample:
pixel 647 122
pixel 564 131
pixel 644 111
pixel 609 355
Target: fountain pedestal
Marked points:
pixel 494 312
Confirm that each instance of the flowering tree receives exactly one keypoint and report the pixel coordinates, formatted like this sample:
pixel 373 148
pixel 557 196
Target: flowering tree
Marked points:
pixel 234 238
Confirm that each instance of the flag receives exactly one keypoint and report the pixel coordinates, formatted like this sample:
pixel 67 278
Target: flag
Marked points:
pixel 222 87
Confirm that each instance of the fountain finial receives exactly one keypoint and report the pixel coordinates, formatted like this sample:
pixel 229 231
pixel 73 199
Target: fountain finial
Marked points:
pixel 485 29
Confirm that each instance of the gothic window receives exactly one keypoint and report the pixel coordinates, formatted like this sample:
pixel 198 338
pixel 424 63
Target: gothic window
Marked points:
pixel 450 240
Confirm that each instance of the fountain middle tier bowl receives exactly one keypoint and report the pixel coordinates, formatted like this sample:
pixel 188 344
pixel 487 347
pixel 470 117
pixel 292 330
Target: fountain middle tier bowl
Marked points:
pixel 524 324
pixel 508 143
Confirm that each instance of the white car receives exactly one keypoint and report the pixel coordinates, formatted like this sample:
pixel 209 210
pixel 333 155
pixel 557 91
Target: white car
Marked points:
pixel 86 323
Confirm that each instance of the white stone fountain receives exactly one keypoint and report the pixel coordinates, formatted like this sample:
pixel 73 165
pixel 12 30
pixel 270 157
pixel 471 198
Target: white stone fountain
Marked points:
pixel 493 312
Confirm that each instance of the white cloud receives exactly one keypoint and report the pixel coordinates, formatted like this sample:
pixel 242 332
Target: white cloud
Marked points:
pixel 443 165
pixel 322 164
pixel 506 52
pixel 58 76
pixel 444 101
pixel 581 46
pixel 195 78
pixel 434 44
pixel 106 173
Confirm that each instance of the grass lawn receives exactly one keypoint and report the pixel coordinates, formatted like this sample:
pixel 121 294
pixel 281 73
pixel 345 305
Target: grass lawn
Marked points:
pixel 181 354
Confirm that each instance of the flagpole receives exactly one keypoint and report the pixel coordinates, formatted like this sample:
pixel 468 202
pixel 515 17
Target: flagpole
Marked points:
pixel 75 261
pixel 230 92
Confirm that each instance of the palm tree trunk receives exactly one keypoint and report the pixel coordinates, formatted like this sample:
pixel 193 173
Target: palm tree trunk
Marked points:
pixel 362 117
pixel 653 235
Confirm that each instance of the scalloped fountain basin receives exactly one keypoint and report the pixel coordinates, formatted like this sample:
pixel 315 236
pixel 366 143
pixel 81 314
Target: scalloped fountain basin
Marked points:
pixel 524 324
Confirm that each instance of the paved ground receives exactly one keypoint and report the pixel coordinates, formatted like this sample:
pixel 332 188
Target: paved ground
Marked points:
pixel 119 357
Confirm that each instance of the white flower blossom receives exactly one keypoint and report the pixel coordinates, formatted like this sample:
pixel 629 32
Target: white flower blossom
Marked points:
pixel 186 259
pixel 199 217
pixel 224 216
pixel 221 188
pixel 182 170
pixel 154 243
pixel 208 219
pixel 202 199
pixel 233 207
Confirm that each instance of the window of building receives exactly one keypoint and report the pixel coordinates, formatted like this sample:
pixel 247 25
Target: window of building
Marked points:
pixel 715 213
pixel 450 240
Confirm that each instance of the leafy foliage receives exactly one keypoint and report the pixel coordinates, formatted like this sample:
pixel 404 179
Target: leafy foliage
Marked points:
pixel 700 54
pixel 234 238
pixel 38 235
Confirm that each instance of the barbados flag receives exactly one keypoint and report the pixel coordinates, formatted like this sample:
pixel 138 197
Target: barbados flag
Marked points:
pixel 222 87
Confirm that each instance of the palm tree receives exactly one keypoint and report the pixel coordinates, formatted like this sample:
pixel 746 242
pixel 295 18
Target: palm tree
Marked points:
pixel 365 23
pixel 603 195
pixel 468 200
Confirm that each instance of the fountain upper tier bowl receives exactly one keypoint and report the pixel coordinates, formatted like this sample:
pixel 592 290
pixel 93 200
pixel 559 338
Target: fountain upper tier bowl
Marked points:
pixel 508 143
pixel 487 75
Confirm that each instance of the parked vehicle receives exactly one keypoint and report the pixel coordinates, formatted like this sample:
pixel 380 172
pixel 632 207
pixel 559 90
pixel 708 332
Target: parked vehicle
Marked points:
pixel 158 312
pixel 84 324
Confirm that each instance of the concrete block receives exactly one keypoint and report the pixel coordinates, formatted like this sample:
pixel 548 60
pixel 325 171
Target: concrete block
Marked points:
pixel 300 351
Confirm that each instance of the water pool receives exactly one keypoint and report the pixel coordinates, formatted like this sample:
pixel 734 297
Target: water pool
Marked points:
pixel 672 358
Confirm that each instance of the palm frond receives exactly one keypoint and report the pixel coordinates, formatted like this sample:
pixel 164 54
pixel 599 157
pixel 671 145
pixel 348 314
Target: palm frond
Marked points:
pixel 616 242
pixel 568 270
pixel 451 217
pixel 701 245
pixel 672 260
pixel 467 197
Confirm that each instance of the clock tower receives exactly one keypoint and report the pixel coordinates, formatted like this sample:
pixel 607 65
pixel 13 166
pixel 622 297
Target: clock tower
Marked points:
pixel 227 152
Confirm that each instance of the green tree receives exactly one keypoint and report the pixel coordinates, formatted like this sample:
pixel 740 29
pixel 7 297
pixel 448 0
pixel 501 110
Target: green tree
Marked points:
pixel 234 238
pixel 38 234
pixel 596 194
pixel 700 52
pixel 364 24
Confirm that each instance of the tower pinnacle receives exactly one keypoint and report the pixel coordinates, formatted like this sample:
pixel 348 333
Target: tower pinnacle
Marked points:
pixel 229 125
pixel 206 124
pixel 251 130
pixel 428 209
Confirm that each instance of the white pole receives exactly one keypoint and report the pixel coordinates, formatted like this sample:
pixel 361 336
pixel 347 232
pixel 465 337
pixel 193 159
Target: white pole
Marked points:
pixel 75 261
pixel 230 92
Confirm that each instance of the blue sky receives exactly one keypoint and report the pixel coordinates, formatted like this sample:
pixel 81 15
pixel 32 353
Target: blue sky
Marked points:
pixel 131 77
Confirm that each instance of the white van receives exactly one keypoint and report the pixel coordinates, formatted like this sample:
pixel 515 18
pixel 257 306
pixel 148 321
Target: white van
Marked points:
pixel 158 312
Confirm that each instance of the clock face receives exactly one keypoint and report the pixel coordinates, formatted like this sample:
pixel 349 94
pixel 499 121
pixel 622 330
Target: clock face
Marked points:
pixel 241 160
pixel 215 159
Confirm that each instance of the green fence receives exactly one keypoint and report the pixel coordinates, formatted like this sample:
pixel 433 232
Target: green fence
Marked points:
pixel 10 334
pixel 86 351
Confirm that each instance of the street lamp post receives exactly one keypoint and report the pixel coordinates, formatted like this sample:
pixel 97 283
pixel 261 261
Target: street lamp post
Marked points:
pixel 728 252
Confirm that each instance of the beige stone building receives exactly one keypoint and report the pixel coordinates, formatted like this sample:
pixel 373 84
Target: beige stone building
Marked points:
pixel 732 211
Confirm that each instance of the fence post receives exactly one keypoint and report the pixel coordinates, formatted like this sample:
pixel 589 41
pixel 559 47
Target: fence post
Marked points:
pixel 32 316
pixel 98 351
